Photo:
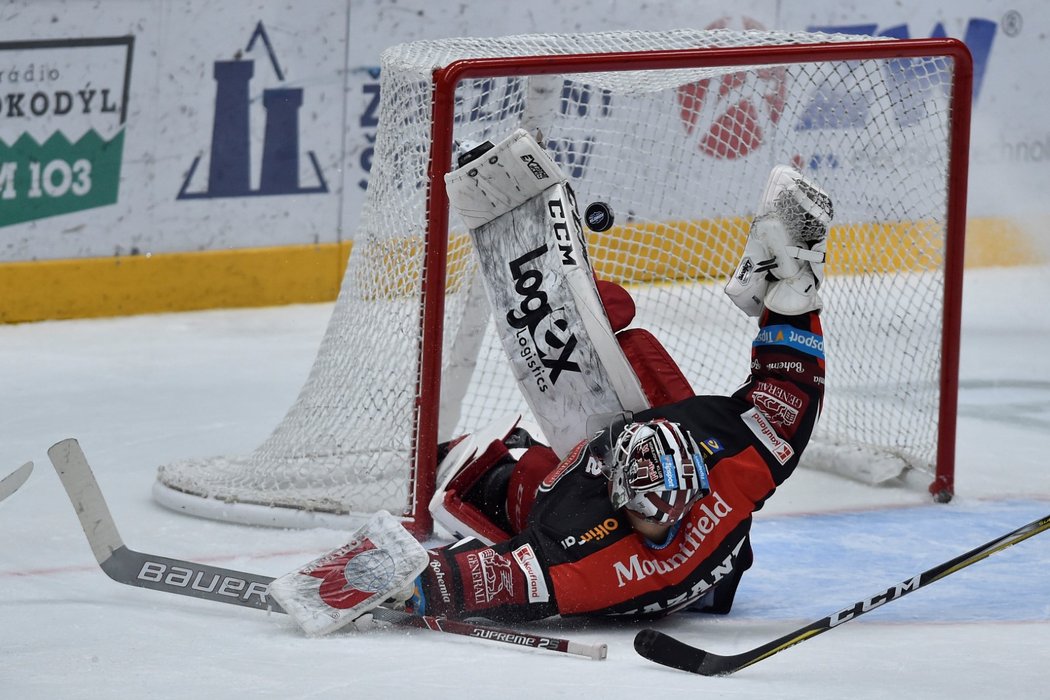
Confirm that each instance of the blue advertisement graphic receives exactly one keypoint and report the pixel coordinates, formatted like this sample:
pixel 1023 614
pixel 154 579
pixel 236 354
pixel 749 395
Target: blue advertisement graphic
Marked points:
pixel 909 79
pixel 229 170
pixel 978 38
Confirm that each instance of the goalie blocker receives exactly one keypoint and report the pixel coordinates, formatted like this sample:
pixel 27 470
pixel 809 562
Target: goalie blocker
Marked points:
pixel 381 559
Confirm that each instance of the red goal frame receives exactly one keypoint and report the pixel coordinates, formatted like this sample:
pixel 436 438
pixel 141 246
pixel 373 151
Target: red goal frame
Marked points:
pixel 446 79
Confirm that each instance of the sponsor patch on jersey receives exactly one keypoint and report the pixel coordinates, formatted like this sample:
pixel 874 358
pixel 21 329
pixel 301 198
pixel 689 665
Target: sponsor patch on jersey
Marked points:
pixel 789 336
pixel 780 406
pixel 594 534
pixel 687 551
pixel 535 584
pixel 710 445
pixel 490 578
pixel 759 425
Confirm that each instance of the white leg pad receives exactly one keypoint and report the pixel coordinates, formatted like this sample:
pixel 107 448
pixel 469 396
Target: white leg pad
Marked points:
pixel 532 253
pixel 446 505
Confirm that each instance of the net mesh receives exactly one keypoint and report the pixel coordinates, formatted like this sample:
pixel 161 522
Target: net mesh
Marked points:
pixel 681 156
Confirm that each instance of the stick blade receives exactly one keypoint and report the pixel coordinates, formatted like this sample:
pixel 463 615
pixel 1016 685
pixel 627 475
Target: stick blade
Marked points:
pixel 668 651
pixel 13 481
pixel 60 450
pixel 79 482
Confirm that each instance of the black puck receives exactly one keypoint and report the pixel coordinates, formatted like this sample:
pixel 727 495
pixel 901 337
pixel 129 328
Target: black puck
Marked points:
pixel 599 216
pixel 474 153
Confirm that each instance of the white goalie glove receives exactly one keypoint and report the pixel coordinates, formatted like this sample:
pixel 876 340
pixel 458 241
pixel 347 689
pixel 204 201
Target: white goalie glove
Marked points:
pixel 783 263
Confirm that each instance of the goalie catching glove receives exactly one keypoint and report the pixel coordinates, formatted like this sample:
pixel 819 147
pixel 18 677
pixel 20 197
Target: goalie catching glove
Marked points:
pixel 783 263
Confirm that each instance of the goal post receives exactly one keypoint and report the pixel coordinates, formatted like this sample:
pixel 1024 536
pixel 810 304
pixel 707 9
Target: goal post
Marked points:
pixel 677 132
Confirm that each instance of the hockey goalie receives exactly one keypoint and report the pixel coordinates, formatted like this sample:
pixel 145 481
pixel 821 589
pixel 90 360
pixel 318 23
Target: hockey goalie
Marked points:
pixel 631 495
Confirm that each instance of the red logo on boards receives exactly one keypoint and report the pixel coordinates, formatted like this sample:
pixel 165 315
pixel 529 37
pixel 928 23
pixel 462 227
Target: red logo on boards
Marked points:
pixel 730 111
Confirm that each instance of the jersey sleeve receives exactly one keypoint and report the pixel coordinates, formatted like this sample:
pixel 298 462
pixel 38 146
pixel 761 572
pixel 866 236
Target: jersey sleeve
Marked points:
pixel 785 392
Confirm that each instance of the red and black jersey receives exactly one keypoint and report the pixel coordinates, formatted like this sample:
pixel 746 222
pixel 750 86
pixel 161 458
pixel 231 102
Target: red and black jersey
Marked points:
pixel 578 556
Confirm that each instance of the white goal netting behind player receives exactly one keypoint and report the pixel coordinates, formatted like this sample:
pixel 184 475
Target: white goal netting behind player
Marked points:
pixel 681 155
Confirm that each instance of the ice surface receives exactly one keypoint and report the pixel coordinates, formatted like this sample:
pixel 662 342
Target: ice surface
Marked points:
pixel 139 392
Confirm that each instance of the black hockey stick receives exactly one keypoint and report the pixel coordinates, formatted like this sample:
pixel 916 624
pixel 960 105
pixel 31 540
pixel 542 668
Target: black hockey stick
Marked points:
pixel 13 481
pixel 220 585
pixel 664 649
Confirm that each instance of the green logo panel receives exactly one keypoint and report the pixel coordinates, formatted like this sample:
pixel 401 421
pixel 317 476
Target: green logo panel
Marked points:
pixel 58 177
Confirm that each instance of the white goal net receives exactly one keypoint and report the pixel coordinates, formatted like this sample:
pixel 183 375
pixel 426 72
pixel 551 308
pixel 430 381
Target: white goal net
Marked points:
pixel 680 149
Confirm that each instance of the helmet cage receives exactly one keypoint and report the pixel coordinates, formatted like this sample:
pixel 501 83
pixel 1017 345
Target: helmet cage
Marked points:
pixel 655 470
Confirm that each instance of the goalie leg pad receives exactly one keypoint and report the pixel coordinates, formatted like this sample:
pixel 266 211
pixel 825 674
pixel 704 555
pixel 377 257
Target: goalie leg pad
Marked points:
pixel 547 312
pixel 461 469
pixel 467 447
pixel 662 379
pixel 618 304
pixel 489 496
pixel 381 560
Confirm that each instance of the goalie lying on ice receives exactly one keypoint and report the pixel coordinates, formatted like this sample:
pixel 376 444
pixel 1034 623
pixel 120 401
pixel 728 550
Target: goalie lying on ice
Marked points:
pixel 651 512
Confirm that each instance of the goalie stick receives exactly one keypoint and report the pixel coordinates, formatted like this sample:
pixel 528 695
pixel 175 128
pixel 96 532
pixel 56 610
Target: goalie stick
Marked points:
pixel 221 585
pixel 13 481
pixel 664 649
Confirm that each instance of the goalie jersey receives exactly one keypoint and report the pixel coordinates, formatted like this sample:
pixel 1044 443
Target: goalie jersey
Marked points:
pixel 570 553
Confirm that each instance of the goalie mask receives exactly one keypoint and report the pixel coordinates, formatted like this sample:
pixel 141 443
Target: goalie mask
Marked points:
pixel 654 469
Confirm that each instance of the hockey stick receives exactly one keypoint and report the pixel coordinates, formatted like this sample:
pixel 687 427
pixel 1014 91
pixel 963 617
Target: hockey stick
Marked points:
pixel 228 586
pixel 663 649
pixel 13 481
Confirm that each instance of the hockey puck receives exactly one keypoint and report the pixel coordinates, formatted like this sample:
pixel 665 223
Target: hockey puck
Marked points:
pixel 599 216
pixel 474 153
